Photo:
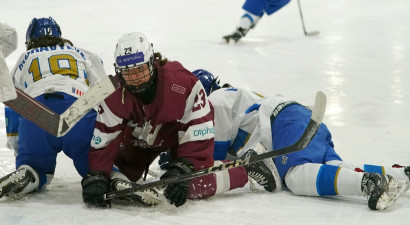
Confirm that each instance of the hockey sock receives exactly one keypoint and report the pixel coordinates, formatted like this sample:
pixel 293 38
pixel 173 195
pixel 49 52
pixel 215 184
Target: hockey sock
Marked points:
pixel 318 180
pixel 248 21
pixel 333 180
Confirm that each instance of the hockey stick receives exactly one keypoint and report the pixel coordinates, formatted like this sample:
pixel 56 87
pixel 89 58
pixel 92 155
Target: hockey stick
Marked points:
pixel 314 123
pixel 313 33
pixel 55 124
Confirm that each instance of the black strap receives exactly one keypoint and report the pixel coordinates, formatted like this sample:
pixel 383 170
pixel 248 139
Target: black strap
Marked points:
pixel 53 95
pixel 279 108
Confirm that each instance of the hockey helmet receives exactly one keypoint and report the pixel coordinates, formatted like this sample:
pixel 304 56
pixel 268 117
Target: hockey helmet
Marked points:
pixel 133 51
pixel 208 80
pixel 42 27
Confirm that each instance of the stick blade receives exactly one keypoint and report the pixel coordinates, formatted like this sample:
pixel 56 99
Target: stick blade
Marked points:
pixel 84 104
pixel 319 107
pixel 313 33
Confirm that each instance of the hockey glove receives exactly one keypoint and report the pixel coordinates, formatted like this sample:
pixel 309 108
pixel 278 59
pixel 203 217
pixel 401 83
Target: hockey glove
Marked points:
pixel 95 185
pixel 176 192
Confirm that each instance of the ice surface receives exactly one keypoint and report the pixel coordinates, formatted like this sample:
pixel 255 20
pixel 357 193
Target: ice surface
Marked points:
pixel 360 60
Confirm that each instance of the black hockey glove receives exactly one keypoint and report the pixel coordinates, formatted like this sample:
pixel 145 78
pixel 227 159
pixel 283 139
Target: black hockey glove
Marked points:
pixel 176 192
pixel 95 185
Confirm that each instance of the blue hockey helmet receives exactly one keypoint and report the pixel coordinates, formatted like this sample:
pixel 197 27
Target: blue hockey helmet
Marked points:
pixel 208 80
pixel 42 27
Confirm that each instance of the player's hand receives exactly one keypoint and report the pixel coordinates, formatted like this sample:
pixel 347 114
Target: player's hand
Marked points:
pixel 95 185
pixel 176 192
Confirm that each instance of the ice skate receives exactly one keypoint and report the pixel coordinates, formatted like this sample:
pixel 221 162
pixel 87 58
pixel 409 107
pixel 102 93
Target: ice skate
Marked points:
pixel 260 173
pixel 18 183
pixel 148 197
pixel 383 190
pixel 236 35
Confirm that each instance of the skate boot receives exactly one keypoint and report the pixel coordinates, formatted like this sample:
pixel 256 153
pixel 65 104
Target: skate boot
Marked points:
pixel 260 173
pixel 148 197
pixel 236 35
pixel 19 182
pixel 376 186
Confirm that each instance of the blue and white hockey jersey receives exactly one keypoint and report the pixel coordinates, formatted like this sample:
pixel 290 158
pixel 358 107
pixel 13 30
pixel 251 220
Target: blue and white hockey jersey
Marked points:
pixel 242 120
pixel 66 69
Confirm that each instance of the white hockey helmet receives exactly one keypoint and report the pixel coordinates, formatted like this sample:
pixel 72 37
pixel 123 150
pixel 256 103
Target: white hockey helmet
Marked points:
pixel 134 50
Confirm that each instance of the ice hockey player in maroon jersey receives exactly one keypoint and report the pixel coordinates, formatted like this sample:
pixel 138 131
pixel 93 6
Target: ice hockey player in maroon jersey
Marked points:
pixel 158 105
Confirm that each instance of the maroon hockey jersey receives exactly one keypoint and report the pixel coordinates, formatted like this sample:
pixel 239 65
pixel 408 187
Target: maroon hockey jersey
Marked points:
pixel 179 118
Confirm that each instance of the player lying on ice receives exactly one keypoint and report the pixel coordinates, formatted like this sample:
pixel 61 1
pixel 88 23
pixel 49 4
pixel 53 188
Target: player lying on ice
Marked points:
pixel 243 119
pixel 158 105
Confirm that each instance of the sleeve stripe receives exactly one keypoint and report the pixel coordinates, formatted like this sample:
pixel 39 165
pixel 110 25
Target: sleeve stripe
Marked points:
pixel 198 132
pixel 109 119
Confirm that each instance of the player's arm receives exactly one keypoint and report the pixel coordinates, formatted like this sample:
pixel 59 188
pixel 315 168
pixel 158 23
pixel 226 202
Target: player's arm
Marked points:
pixel 105 142
pixel 197 132
pixel 95 68
pixel 196 140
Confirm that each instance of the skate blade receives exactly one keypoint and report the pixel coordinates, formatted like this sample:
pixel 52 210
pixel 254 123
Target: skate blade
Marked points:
pixel 396 189
pixel 149 198
pixel 229 40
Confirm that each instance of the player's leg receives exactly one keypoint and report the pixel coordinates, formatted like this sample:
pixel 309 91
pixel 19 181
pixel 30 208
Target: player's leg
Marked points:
pixel 274 5
pixel 35 161
pixel 324 180
pixel 77 142
pixel 254 10
pixel 217 183
pixel 396 171
pixel 287 128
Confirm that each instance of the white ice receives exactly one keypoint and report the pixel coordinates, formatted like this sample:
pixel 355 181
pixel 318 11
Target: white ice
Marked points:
pixel 360 60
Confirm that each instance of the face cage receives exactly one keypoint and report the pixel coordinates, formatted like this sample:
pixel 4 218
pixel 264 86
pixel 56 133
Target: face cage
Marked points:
pixel 142 87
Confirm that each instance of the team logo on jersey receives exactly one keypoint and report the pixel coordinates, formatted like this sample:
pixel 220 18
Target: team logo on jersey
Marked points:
pixel 284 159
pixel 204 131
pixel 178 88
pixel 97 140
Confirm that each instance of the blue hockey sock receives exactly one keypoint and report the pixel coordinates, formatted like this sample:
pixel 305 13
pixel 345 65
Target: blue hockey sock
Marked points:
pixel 326 180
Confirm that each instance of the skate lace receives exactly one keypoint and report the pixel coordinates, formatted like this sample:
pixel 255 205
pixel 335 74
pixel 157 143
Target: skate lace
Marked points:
pixel 368 186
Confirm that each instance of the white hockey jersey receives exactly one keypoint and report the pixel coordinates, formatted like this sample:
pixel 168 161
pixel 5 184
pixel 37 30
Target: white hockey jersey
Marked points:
pixel 51 69
pixel 242 120
pixel 57 69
